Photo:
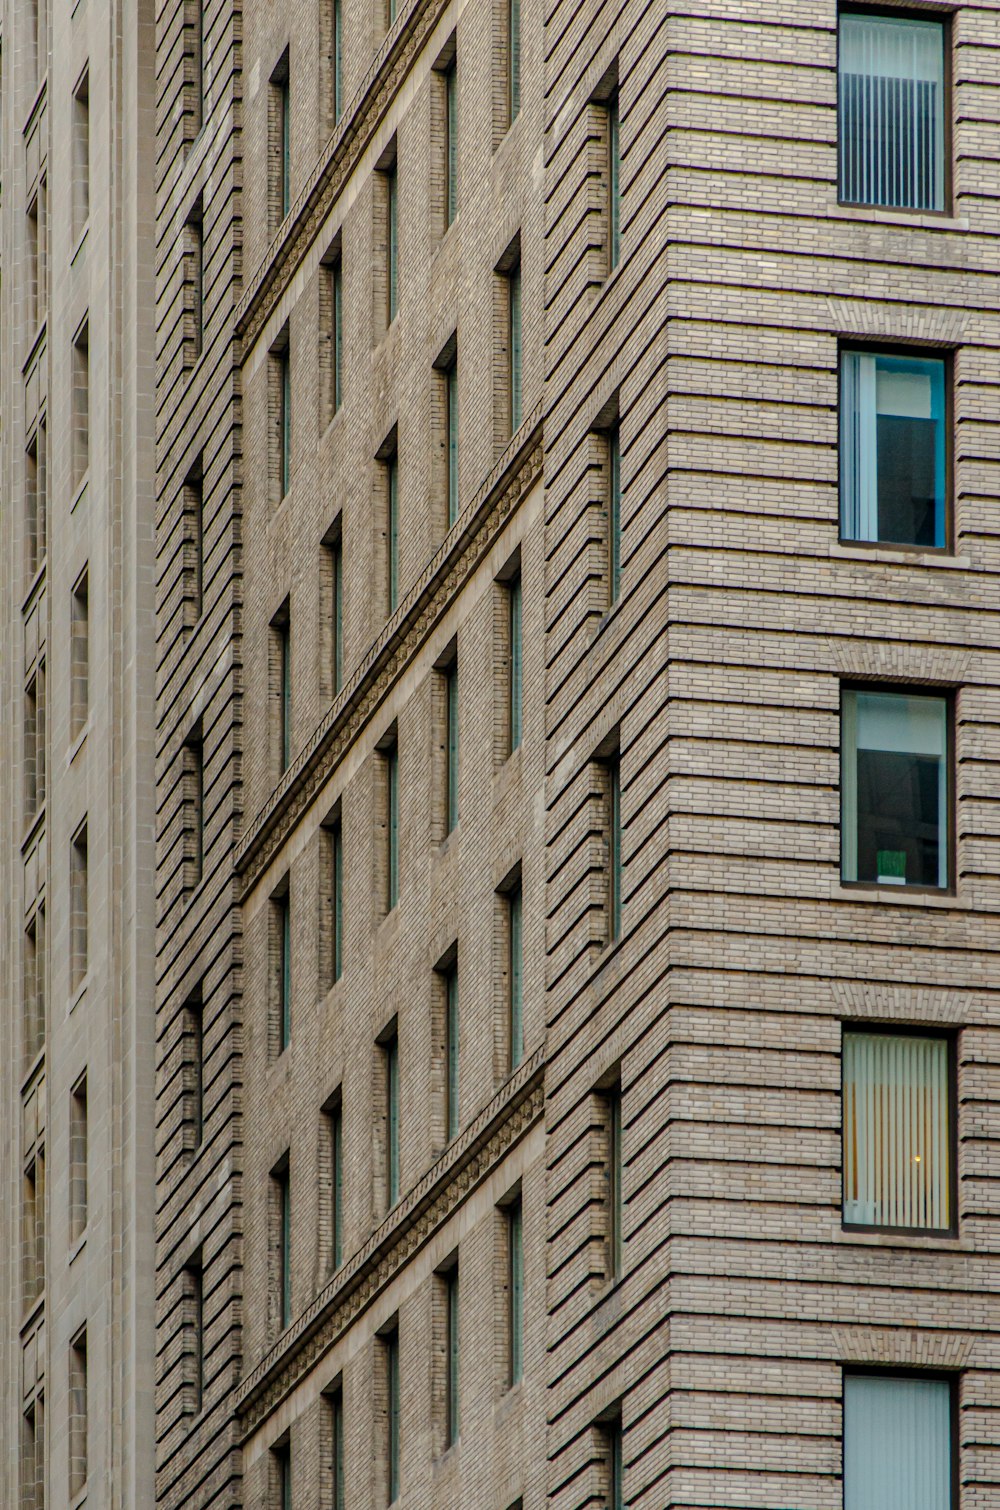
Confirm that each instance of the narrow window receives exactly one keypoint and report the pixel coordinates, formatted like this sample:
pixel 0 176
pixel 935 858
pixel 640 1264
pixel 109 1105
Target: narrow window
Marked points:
pixel 391 759
pixel 335 861
pixel 898 1150
pixel 78 1160
pixel 334 316
pixel 899 1436
pixel 514 346
pixel 33 1455
pixel 78 1414
pixel 194 235
pixel 893 448
pixel 36 498
pixel 194 1065
pixel 79 907
pixel 610 1434
pixel 515 675
pixel 33 1231
pixel 194 1286
pixel 390 1064
pixel 281 684
pixel 194 776
pixel 281 925
pixel 390 469
pixel 614 783
pixel 391 241
pixel 452 1342
pixel 614 461
pixel 335 1134
pixel 337 70
pixel 895 821
pixel 34 743
pixel 390 1352
pixel 81 156
pixel 450 143
pixel 515 1293
pixel 34 249
pixel 194 543
pixel 451 423
pixel 281 141
pixel 281 1462
pixel 332 597
pixel 611 1107
pixel 335 1420
pixel 79 654
pixel 284 375
pixel 194 72
pixel 614 181
pixel 451 745
pixel 515 962
pixel 451 1045
pixel 81 405
pixel 34 985
pixel 513 60
pixel 282 1251
pixel 891 127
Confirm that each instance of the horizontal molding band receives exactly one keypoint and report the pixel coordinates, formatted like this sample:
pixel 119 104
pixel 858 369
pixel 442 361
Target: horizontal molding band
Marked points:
pixel 463 1166
pixel 468 540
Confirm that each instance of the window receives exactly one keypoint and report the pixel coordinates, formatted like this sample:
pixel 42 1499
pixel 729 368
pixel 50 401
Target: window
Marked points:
pixel 194 237
pixel 36 497
pixel 282 1250
pixel 514 345
pixel 614 464
pixel 891 111
pixel 281 1464
pixel 391 760
pixel 78 1411
pixel 452 1374
pixel 280 123
pixel 610 1108
pixel 81 404
pixel 334 860
pixel 37 239
pixel 898 1108
pixel 451 1050
pixel 451 438
pixel 194 48
pixel 33 1455
pixel 450 143
pixel 281 931
pixel 612 1461
pixel 515 963
pixel 332 350
pixel 390 1358
pixel 335 1426
pixel 614 181
pixel 451 745
pixel 194 1298
pixel 335 1153
pixel 513 60
pixel 79 654
pixel 337 70
pixel 614 787
pixel 895 788
pixel 78 1160
pixel 893 460
pixel 79 904
pixel 34 985
pixel 515 677
pixel 33 1230
pixel 194 1067
pixel 281 684
pixel 282 378
pixel 81 155
pixel 390 473
pixel 194 780
pixel 515 1293
pixel 391 201
pixel 332 637
pixel 34 742
pixel 194 543
pixel 898 1442
pixel 390 1068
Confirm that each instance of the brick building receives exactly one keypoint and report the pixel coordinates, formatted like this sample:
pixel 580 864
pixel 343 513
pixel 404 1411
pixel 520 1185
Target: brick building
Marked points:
pixel 575 459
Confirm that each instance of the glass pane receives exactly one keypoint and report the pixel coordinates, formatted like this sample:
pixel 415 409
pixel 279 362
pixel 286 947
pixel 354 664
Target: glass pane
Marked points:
pixel 892 449
pixel 897 1443
pixel 891 112
pixel 895 798
pixel 897 1154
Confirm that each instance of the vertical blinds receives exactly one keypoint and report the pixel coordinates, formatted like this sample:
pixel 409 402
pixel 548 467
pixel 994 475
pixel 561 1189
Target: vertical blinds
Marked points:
pixel 896 1131
pixel 897 1443
pixel 892 112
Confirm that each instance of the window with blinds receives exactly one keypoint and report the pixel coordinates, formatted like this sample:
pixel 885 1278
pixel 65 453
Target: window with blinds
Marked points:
pixel 891 111
pixel 893 463
pixel 897 1140
pixel 898 1442
pixel 895 800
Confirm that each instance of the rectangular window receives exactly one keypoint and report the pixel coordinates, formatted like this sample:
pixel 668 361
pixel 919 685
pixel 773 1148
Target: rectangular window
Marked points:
pixel 891 124
pixel 194 1066
pixel 451 439
pixel 194 543
pixel 282 931
pixel 34 742
pixel 899 1436
pixel 612 1460
pixel 36 498
pixel 79 907
pixel 451 1046
pixel 81 155
pixel 283 1241
pixel 281 1462
pixel 392 825
pixel 513 60
pixel 515 1293
pixel 893 456
pixel 895 796
pixel 392 241
pixel 33 1455
pixel 33 1231
pixel 336 860
pixel 451 1356
pixel 614 513
pixel 284 374
pixel 79 654
pixel 516 674
pixel 450 144
pixel 282 126
pixel 194 1285
pixel 391 465
pixel 515 964
pixel 34 985
pixel 612 1110
pixel 390 1064
pixel 78 1415
pixel 335 1419
pixel 451 746
pixel 81 405
pixel 337 70
pixel 614 181
pixel 898 1153
pixel 336 294
pixel 514 347
pixel 78 1160
pixel 194 780
pixel 332 599
pixel 281 684
pixel 335 1118
pixel 390 1345
pixel 614 849
pixel 194 235
pixel 194 48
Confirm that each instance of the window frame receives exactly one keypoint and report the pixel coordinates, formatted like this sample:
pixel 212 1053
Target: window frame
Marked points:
pixel 949 696
pixel 917 352
pixel 942 15
pixel 951 1377
pixel 908 1030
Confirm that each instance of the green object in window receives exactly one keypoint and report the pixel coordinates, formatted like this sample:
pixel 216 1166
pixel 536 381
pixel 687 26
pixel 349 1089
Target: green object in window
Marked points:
pixel 891 865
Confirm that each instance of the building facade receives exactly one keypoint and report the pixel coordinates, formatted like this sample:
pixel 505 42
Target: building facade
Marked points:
pixel 77 961
pixel 510 470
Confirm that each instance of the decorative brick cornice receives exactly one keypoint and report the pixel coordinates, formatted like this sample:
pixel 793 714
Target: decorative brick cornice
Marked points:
pixel 463 1166
pixel 336 163
pixel 461 550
